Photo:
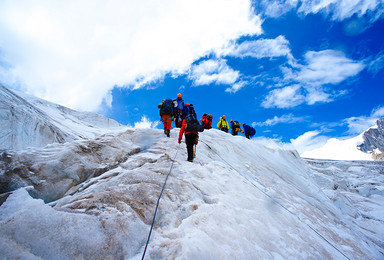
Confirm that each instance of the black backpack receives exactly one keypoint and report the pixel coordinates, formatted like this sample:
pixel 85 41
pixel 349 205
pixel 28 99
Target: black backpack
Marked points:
pixel 192 124
pixel 167 107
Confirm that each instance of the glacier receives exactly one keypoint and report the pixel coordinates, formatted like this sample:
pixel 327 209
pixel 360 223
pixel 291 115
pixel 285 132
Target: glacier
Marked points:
pixel 93 196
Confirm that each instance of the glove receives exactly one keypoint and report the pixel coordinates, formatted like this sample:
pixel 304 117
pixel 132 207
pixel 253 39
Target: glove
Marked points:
pixel 197 141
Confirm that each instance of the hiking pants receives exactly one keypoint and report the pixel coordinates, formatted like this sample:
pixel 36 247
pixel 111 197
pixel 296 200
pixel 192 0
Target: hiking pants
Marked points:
pixel 178 117
pixel 190 140
pixel 167 120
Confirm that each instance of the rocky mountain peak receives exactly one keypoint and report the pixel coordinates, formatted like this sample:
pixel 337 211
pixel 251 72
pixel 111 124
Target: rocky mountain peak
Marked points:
pixel 374 140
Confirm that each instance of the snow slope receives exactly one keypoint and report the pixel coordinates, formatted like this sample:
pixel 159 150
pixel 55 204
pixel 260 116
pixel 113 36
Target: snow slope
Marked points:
pixel 76 185
pixel 32 122
pixel 239 199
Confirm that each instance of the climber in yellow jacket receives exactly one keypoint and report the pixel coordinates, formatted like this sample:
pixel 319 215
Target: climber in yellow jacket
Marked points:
pixel 223 124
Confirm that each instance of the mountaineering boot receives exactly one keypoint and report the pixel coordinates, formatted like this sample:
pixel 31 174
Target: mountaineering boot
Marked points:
pixel 167 133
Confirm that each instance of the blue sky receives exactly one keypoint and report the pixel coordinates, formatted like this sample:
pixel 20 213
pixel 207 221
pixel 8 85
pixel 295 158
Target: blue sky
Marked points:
pixel 300 71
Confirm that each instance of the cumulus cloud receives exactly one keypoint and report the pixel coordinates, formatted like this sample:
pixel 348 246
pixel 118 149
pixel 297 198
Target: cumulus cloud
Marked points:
pixel 146 123
pixel 310 83
pixel 309 141
pixel 217 71
pixel 74 52
pixel 285 97
pixel 337 10
pixel 275 9
pixel 284 119
pixel 328 67
pixel 262 48
pixel 357 125
pixel 213 71
pixel 343 9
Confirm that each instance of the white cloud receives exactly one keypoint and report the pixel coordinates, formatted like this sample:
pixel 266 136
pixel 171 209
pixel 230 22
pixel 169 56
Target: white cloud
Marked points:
pixel 285 97
pixel 314 96
pixel 377 64
pixel 328 67
pixel 146 123
pixel 342 9
pixel 236 87
pixel 309 83
pixel 357 125
pixel 336 9
pixel 276 9
pixel 285 119
pixel 74 52
pixel 309 141
pixel 213 71
pixel 263 48
pixel 312 140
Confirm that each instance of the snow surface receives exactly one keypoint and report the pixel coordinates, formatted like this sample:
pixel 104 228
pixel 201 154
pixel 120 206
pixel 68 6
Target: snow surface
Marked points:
pixel 32 122
pixel 79 186
pixel 239 199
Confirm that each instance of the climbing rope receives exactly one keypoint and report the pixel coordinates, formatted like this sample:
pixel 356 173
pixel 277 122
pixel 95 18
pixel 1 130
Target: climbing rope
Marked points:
pixel 275 201
pixel 157 204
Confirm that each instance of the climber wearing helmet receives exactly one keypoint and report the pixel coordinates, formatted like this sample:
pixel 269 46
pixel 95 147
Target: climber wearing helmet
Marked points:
pixel 223 124
pixel 178 110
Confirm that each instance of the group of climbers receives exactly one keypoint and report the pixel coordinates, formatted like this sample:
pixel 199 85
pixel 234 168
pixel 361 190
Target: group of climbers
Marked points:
pixel 184 116
pixel 223 125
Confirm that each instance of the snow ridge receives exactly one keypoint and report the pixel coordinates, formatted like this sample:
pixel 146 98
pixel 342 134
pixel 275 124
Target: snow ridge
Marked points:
pixel 32 122
pixel 208 210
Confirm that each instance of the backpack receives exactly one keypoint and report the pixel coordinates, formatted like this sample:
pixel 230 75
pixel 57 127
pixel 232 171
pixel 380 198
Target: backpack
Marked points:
pixel 252 131
pixel 167 107
pixel 236 126
pixel 192 124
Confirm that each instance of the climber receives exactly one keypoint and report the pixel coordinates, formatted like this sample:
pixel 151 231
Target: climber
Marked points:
pixel 249 131
pixel 190 127
pixel 223 124
pixel 178 110
pixel 206 121
pixel 166 113
pixel 235 126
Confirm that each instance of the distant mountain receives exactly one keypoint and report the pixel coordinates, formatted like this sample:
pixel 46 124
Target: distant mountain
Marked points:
pixel 374 140
pixel 28 121
pixel 369 145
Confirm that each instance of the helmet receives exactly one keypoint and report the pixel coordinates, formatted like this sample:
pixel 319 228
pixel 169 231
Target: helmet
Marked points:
pixel 224 116
pixel 210 115
pixel 231 121
pixel 179 95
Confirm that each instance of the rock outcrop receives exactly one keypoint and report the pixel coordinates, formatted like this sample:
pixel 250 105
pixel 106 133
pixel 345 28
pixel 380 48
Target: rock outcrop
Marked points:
pixel 374 140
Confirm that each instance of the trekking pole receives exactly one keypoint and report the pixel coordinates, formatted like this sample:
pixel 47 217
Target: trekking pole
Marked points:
pixel 194 152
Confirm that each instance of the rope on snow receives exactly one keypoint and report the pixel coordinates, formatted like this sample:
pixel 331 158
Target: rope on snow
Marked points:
pixel 157 204
pixel 281 205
